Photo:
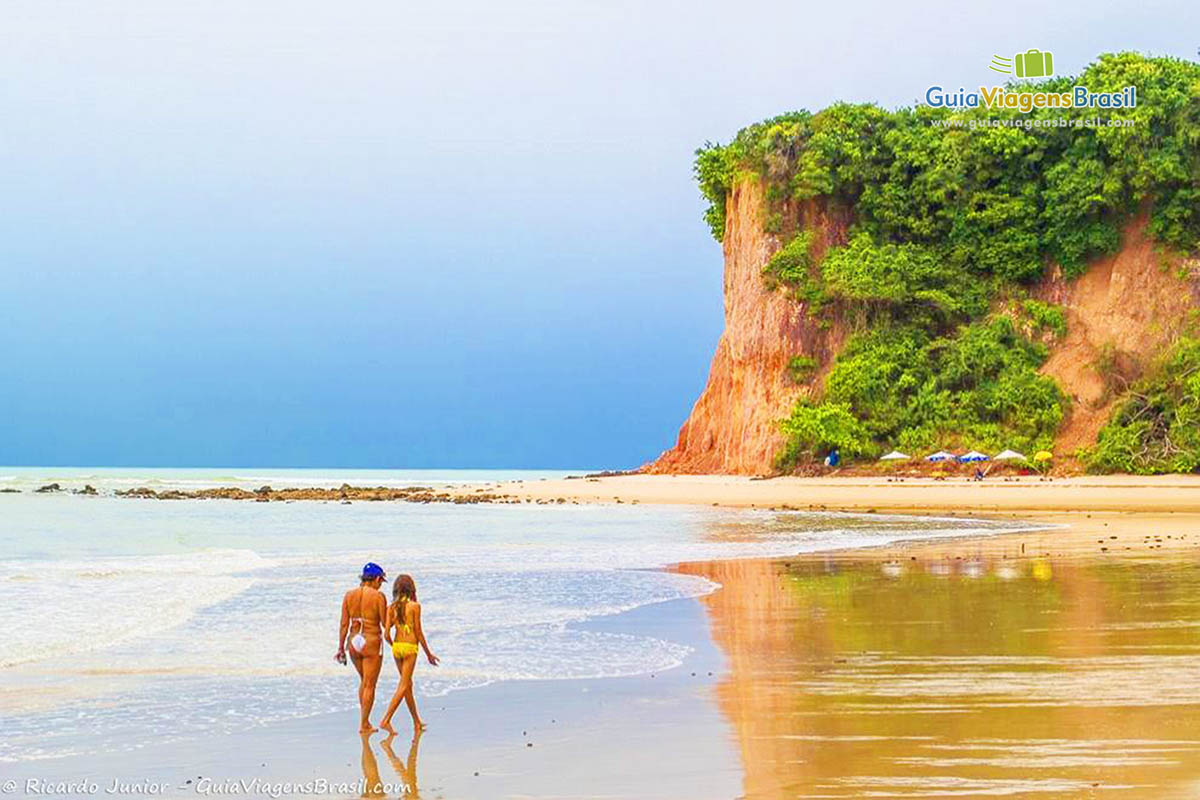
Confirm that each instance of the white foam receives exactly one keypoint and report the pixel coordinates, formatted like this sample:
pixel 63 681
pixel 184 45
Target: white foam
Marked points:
pixel 53 609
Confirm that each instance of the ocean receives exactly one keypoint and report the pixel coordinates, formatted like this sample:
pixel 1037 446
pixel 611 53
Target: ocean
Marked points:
pixel 134 621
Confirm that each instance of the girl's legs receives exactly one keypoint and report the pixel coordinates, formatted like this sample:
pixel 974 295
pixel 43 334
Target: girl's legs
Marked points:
pixel 403 690
pixel 386 723
pixel 406 673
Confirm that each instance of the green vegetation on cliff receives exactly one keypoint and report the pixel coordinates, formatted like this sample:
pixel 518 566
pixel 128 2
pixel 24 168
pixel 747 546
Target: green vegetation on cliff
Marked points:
pixel 951 215
pixel 1156 427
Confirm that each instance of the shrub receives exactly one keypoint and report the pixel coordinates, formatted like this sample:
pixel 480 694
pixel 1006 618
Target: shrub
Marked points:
pixel 1156 428
pixel 815 429
pixel 977 387
pixel 1045 317
pixel 801 368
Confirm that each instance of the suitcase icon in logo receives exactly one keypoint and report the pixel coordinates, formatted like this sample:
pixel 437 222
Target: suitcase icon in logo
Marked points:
pixel 1034 64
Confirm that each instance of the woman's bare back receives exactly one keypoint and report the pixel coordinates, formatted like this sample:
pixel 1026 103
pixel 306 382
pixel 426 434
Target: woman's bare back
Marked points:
pixel 367 610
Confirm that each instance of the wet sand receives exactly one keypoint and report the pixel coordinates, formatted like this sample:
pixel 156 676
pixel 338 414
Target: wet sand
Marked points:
pixel 659 737
pixel 951 670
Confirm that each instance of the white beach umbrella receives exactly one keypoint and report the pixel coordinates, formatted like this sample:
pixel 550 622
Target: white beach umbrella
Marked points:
pixel 895 455
pixel 1009 455
pixel 974 455
pixel 940 455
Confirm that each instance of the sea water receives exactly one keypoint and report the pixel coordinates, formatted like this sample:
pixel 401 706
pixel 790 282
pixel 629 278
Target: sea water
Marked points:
pixel 133 620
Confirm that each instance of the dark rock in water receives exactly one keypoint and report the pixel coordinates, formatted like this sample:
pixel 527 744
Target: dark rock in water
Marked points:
pixel 10 491
pixel 88 489
pixel 48 488
pixel 345 494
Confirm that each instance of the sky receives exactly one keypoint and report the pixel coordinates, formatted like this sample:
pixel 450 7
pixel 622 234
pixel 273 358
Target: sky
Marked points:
pixel 388 234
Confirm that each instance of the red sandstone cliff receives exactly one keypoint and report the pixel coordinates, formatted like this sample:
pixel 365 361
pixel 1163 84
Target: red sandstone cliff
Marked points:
pixel 1120 313
pixel 734 426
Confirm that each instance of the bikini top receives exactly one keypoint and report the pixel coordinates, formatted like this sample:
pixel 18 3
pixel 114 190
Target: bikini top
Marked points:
pixel 403 623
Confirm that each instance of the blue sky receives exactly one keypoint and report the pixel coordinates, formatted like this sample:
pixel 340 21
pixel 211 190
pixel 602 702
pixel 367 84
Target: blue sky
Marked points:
pixel 385 234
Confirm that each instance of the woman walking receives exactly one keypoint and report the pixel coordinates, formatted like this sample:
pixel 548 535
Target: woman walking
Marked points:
pixel 364 610
pixel 403 631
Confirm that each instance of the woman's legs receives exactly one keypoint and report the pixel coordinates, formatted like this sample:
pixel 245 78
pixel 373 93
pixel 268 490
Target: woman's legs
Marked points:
pixel 357 661
pixel 372 665
pixel 368 668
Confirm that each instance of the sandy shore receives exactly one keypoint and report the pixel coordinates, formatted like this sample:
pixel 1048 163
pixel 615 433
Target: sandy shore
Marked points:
pixel 1104 516
pixel 1156 494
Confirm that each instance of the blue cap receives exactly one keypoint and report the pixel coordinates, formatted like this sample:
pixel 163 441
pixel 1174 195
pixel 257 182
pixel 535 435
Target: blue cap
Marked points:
pixel 372 570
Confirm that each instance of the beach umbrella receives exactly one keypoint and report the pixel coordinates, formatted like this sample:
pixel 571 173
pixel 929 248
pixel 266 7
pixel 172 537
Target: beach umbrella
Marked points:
pixel 974 455
pixel 1043 455
pixel 895 455
pixel 1009 455
pixel 940 455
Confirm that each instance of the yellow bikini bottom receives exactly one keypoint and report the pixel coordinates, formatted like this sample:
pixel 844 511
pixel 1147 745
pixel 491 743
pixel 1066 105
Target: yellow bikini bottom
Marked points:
pixel 402 649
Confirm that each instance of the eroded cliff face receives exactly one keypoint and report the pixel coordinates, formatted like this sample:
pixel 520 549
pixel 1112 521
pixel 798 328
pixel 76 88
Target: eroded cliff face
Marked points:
pixel 1121 313
pixel 734 426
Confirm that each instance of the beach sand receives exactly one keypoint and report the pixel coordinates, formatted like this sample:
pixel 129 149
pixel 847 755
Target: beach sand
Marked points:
pixel 1051 663
pixel 648 736
pixel 1023 495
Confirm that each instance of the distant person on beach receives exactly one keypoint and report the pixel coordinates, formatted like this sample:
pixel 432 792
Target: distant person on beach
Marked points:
pixel 406 636
pixel 364 610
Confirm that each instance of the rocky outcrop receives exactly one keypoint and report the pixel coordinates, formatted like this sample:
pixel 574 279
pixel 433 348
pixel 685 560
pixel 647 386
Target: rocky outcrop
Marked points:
pixel 734 426
pixel 345 494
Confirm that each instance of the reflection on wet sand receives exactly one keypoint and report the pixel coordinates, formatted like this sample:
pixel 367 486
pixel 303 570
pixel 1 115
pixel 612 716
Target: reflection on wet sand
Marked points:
pixel 405 770
pixel 853 677
pixel 373 784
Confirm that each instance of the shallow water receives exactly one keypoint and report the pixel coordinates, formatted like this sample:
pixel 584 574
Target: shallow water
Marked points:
pixel 142 618
pixel 974 678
